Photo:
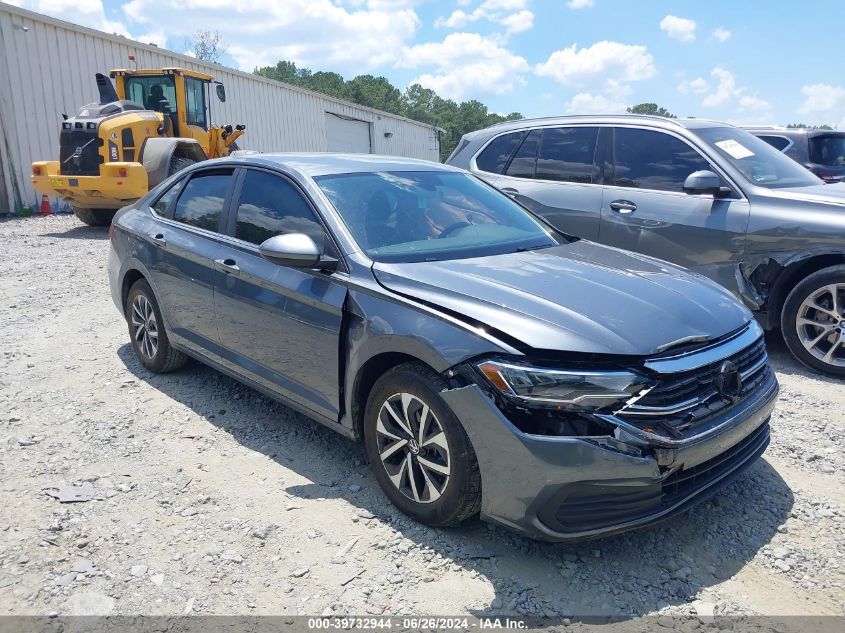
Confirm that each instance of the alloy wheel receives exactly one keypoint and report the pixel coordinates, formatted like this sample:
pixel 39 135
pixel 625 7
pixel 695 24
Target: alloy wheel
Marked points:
pixel 145 326
pixel 413 448
pixel 820 324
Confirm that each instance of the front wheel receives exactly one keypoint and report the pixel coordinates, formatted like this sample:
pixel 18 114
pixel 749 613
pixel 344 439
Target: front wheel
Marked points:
pixel 813 321
pixel 418 450
pixel 94 217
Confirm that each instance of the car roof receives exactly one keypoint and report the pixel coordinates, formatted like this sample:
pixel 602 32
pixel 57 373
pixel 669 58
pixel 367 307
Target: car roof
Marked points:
pixel 322 164
pixel 774 130
pixel 608 119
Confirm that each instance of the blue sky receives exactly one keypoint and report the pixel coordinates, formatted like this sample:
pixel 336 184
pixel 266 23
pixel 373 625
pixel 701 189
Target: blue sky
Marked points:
pixel 771 62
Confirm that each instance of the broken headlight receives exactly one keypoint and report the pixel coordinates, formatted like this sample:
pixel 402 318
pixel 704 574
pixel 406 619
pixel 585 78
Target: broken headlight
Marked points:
pixel 565 390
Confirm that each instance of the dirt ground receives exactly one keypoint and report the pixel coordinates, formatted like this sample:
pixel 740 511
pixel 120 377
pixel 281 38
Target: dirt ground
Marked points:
pixel 208 498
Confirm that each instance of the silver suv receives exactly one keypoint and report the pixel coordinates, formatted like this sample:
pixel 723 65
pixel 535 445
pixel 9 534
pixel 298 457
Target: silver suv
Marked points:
pixel 702 194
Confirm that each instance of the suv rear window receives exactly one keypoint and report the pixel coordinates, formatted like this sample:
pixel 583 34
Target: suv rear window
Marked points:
pixel 201 202
pixel 495 156
pixel 828 150
pixel 566 154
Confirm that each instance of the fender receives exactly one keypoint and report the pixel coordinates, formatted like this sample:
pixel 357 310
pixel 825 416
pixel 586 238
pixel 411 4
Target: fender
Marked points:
pixel 156 154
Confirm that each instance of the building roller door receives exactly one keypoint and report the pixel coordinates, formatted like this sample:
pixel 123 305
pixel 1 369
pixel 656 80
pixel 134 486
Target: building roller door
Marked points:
pixel 347 135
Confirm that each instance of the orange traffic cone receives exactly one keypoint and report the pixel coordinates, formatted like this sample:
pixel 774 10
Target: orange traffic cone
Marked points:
pixel 45 206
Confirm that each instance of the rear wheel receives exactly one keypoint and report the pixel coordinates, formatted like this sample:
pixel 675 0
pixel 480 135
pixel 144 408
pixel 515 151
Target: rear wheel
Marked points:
pixel 813 321
pixel 94 217
pixel 178 163
pixel 418 450
pixel 146 330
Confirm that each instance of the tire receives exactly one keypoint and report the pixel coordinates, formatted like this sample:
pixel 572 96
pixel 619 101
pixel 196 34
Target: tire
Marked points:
pixel 146 331
pixel 178 163
pixel 439 498
pixel 94 217
pixel 807 342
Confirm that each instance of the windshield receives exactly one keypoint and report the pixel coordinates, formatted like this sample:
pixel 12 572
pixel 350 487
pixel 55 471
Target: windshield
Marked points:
pixel 156 92
pixel 758 161
pixel 431 215
pixel 828 150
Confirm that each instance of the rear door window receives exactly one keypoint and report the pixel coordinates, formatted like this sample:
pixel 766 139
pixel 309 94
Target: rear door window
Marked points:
pixel 566 154
pixel 648 159
pixel 163 205
pixel 270 205
pixel 203 198
pixel 495 156
pixel 523 164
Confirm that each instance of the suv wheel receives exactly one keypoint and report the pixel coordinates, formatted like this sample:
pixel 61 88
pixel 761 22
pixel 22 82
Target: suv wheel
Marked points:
pixel 146 331
pixel 813 321
pixel 418 450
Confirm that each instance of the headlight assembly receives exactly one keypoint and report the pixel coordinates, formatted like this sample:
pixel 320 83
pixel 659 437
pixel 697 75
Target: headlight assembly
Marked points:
pixel 563 389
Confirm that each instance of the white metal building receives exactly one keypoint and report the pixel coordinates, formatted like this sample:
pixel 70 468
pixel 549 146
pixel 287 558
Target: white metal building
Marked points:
pixel 47 68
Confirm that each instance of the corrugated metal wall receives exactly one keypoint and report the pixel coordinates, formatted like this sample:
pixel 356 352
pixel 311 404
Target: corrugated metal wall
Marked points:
pixel 47 67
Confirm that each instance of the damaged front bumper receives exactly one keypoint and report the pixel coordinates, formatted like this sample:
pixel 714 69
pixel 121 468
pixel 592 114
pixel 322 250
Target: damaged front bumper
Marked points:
pixel 571 488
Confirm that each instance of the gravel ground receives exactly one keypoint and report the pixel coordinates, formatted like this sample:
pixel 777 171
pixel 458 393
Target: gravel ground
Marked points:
pixel 208 498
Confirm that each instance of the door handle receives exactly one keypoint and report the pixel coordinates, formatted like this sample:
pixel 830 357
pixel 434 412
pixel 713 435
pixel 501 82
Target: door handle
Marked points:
pixel 623 206
pixel 509 191
pixel 229 266
pixel 158 239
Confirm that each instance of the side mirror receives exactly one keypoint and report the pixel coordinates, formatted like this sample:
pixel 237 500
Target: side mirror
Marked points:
pixel 221 92
pixel 294 249
pixel 703 181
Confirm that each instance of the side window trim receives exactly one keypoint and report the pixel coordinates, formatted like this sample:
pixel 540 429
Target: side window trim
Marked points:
pixel 234 204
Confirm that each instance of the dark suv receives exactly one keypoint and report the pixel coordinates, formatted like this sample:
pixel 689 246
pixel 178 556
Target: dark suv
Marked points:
pixel 820 151
pixel 705 195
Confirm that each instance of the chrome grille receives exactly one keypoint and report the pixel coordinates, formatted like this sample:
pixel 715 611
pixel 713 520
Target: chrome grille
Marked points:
pixel 684 399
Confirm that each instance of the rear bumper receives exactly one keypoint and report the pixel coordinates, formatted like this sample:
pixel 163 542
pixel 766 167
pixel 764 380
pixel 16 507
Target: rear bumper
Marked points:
pixel 109 190
pixel 570 489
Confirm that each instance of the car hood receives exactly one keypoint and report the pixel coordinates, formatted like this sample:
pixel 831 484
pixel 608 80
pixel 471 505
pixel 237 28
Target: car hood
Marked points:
pixel 833 193
pixel 577 297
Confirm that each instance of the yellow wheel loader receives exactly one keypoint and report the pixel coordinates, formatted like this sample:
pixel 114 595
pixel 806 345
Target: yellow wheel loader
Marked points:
pixel 148 125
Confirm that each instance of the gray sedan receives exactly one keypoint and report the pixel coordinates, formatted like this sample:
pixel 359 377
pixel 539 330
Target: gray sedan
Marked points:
pixel 489 362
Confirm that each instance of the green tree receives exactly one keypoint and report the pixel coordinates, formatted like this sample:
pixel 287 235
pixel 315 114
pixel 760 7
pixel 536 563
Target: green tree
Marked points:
pixel 809 127
pixel 375 92
pixel 651 108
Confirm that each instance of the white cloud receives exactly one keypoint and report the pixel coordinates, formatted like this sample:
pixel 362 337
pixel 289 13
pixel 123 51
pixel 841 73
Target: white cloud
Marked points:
pixel 748 102
pixel 88 13
pixel 696 86
pixel 512 14
pixel 465 63
pixel 602 62
pixel 822 99
pixel 681 29
pixel 722 34
pixel 353 38
pixel 823 103
pixel 580 4
pixel 723 90
pixel 588 103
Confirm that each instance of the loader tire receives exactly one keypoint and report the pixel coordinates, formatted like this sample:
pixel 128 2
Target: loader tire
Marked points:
pixel 178 163
pixel 94 217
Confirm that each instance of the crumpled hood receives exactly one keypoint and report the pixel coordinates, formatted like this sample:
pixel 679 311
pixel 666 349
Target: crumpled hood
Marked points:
pixel 833 193
pixel 578 297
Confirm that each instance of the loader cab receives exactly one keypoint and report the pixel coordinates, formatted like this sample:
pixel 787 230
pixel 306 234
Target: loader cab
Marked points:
pixel 180 95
